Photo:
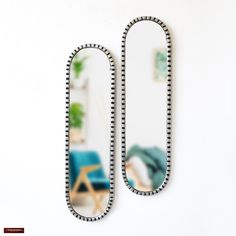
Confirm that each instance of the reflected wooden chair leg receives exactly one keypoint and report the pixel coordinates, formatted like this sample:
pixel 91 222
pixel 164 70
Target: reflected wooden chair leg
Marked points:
pixel 78 182
pixel 82 178
pixel 101 197
pixel 136 178
pixel 93 195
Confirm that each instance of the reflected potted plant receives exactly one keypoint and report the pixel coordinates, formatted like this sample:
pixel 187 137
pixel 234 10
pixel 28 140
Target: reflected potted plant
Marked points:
pixel 76 113
pixel 78 66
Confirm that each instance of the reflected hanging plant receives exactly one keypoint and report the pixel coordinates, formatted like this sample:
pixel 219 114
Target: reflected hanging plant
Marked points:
pixel 76 115
pixel 78 66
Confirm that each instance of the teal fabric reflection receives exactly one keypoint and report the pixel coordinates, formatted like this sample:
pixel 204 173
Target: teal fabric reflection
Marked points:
pixel 155 160
pixel 97 177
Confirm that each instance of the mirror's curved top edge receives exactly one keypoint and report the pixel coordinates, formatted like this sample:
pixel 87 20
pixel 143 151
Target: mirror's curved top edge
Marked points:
pixel 147 18
pixel 123 107
pixel 112 128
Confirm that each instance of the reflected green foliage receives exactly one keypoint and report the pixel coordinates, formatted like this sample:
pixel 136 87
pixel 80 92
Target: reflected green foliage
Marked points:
pixel 78 66
pixel 161 63
pixel 76 115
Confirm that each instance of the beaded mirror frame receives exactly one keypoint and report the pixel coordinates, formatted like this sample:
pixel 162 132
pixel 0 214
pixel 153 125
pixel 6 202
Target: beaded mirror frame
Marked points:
pixel 123 104
pixel 112 132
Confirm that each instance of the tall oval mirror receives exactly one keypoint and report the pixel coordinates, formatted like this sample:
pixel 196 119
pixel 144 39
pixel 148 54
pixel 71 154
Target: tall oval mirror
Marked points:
pixel 90 132
pixel 146 105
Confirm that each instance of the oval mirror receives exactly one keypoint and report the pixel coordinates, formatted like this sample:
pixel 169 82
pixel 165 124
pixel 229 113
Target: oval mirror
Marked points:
pixel 146 105
pixel 90 121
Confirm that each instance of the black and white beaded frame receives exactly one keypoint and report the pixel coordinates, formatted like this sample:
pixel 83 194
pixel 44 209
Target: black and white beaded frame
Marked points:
pixel 112 132
pixel 123 105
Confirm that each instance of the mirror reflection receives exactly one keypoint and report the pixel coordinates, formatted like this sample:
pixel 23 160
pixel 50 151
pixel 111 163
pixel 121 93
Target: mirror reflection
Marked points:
pixel 146 73
pixel 89 129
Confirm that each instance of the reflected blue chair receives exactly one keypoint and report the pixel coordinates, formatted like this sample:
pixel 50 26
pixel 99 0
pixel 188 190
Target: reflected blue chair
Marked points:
pixel 87 175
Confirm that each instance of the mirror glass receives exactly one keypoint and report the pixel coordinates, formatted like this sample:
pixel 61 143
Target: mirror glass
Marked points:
pixel 146 79
pixel 89 132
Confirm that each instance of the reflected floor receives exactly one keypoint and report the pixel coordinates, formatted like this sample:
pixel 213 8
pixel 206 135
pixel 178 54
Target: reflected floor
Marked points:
pixel 86 205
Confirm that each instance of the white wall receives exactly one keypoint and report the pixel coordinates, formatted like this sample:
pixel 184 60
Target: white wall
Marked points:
pixel 36 40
